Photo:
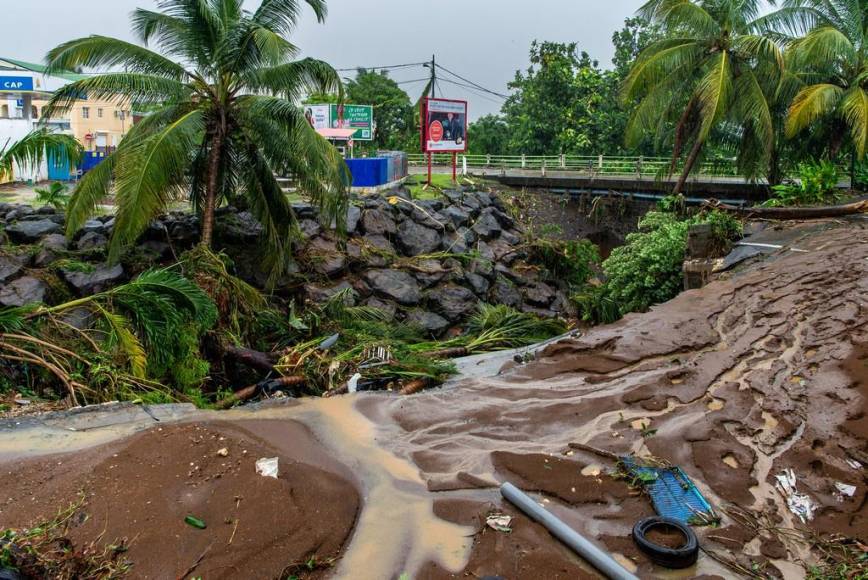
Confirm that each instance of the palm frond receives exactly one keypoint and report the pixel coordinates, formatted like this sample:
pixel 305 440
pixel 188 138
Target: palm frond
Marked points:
pixel 282 15
pixel 121 88
pixel 29 152
pixel 714 90
pixel 104 52
pixel 854 105
pixel 149 172
pixel 810 104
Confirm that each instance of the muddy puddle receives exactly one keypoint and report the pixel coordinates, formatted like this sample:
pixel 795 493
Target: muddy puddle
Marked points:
pixel 705 382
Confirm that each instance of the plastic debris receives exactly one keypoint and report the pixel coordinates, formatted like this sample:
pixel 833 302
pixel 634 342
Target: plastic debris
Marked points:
pixel 353 383
pixel 854 464
pixel 329 342
pixel 223 452
pixel 267 467
pixel 672 492
pixel 195 522
pixel 845 489
pixel 499 522
pixel 799 503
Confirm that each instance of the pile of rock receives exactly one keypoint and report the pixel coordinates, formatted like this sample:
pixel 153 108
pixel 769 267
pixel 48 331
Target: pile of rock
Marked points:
pixel 428 262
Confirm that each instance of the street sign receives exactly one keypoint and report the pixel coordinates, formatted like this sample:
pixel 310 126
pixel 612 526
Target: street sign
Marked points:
pixel 358 117
pixel 333 116
pixel 14 84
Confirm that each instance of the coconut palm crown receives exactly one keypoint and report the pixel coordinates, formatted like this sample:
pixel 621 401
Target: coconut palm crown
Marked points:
pixel 831 59
pixel 222 89
pixel 711 71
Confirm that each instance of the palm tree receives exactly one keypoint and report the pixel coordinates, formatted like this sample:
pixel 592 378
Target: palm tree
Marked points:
pixel 710 72
pixel 29 152
pixel 832 62
pixel 222 89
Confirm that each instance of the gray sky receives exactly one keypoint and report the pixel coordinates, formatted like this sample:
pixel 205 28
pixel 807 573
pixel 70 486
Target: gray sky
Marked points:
pixel 483 40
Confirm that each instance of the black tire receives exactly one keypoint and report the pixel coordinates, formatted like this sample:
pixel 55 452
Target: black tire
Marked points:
pixel 677 558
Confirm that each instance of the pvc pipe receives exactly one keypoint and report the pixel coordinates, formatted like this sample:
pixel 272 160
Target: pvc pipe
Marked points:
pixel 594 555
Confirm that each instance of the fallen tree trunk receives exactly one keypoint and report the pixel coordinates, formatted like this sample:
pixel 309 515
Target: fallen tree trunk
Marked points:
pixel 792 213
pixel 252 358
pixel 269 385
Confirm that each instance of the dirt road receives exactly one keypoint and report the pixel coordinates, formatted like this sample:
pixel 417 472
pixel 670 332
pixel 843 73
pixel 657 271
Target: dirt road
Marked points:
pixel 737 382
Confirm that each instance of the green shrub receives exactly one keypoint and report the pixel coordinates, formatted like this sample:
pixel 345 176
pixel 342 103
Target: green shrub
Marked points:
pixel 818 183
pixel 648 268
pixel 573 261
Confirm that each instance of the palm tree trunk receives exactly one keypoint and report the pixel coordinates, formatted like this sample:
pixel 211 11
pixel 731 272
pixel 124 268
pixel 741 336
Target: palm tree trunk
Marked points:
pixel 688 166
pixel 211 190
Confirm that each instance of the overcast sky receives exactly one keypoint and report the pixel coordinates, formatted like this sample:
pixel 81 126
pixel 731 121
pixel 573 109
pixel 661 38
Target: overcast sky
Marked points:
pixel 485 41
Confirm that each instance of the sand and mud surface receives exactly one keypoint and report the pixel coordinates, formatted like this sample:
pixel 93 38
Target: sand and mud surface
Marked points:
pixel 763 371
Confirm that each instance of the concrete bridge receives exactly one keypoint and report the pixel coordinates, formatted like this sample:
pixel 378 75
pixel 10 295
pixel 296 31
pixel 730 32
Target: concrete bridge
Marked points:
pixel 637 177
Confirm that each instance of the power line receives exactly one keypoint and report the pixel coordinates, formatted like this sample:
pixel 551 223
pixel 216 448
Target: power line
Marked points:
pixel 376 68
pixel 477 85
pixel 412 81
pixel 475 91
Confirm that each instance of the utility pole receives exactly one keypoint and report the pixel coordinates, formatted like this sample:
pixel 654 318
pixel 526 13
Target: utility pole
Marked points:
pixel 433 74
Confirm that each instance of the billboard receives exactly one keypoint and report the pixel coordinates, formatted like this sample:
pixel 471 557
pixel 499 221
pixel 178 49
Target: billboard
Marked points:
pixel 334 116
pixel 445 126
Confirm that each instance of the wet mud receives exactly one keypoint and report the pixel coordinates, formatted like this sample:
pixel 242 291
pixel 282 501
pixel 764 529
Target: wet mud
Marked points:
pixel 751 375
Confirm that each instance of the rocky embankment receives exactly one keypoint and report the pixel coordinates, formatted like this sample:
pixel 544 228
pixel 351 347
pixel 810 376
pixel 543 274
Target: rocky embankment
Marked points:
pixel 428 262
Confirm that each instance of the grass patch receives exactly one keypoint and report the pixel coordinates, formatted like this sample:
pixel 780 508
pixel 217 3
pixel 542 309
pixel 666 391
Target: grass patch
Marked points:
pixel 417 184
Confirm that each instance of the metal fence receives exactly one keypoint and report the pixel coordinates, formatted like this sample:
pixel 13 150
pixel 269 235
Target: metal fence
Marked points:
pixel 602 165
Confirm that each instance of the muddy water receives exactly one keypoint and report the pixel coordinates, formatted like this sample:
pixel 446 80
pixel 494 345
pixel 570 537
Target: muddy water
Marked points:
pixel 397 530
pixel 705 382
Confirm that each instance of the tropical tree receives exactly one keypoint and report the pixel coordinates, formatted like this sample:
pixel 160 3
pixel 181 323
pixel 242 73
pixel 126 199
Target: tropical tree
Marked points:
pixel 224 89
pixel 392 109
pixel 29 152
pixel 831 59
pixel 711 71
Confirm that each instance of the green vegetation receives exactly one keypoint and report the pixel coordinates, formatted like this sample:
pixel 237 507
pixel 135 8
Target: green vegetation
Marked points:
pixel 224 120
pixel 647 270
pixel 709 70
pixel 55 195
pixel 135 336
pixel 817 184
pixel 419 188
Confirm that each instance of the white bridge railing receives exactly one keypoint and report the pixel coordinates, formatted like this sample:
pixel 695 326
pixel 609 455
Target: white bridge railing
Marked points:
pixel 592 165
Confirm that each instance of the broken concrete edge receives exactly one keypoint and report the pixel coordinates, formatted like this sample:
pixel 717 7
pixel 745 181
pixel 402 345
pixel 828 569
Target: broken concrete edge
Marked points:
pixel 99 416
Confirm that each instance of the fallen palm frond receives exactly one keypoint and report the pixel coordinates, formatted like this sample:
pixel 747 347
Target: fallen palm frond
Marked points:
pixel 494 327
pixel 126 340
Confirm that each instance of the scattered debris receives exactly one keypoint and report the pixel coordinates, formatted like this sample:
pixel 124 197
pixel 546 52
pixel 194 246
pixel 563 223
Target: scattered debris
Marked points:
pixel 195 522
pixel 267 467
pixel 499 522
pixel 223 452
pixel 845 489
pixel 353 383
pixel 672 492
pixel 329 342
pixel 799 503
pixel 854 464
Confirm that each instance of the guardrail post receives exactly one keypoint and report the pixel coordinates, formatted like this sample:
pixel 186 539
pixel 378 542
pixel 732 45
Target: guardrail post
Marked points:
pixel 600 162
pixel 464 165
pixel 523 161
pixel 563 161
pixel 488 160
pixel 543 168
pixel 639 166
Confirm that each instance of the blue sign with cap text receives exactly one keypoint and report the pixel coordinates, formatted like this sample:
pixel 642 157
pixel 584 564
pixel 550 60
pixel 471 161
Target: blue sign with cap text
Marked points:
pixel 16 83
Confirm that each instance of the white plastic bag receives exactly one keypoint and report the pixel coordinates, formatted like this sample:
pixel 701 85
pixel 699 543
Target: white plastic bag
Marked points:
pixel 267 467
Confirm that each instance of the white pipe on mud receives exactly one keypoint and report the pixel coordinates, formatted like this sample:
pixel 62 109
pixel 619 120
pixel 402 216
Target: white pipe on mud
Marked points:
pixel 594 555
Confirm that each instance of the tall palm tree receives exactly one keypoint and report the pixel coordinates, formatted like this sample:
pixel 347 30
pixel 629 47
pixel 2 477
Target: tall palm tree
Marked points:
pixel 710 72
pixel 29 152
pixel 832 61
pixel 223 91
